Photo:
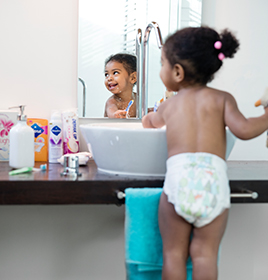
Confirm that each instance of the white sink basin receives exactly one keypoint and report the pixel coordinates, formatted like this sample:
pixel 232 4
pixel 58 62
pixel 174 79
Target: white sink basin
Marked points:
pixel 128 149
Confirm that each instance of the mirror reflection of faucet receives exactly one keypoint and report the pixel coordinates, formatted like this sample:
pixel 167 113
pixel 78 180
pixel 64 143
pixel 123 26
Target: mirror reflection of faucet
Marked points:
pixel 84 95
pixel 138 54
pixel 142 66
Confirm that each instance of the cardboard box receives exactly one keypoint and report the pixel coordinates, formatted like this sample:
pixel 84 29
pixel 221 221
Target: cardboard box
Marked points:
pixel 40 127
pixel 7 120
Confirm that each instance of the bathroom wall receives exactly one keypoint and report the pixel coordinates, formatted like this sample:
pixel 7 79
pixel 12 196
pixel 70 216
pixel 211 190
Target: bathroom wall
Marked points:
pixel 38 55
pixel 38 62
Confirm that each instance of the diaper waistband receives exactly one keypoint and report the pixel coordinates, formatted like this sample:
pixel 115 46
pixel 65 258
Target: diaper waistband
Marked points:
pixel 205 158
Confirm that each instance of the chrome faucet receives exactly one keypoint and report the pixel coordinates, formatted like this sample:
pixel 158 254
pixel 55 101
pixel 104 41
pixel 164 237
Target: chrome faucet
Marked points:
pixel 143 75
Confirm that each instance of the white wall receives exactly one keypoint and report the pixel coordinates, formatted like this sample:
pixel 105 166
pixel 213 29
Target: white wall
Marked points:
pixel 38 55
pixel 38 67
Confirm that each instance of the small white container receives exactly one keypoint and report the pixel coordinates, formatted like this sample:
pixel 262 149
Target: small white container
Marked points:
pixel 21 138
pixel 55 143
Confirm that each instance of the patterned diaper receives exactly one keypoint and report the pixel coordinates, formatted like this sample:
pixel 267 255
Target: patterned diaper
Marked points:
pixel 197 185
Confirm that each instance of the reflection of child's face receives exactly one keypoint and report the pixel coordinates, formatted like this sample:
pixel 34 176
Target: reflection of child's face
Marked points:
pixel 117 79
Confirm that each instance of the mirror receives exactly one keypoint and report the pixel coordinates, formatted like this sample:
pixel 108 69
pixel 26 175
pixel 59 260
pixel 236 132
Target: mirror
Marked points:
pixel 109 27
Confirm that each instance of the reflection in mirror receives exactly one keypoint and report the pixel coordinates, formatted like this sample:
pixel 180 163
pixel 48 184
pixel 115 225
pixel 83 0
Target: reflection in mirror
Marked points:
pixel 113 30
pixel 120 78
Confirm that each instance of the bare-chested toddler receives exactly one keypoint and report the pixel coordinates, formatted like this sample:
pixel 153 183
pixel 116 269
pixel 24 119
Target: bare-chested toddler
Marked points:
pixel 196 192
pixel 120 78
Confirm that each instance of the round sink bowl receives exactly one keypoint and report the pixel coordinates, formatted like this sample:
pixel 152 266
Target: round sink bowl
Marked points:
pixel 129 149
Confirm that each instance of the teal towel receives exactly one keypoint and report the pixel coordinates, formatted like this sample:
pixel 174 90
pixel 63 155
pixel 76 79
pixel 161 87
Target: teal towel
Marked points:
pixel 143 243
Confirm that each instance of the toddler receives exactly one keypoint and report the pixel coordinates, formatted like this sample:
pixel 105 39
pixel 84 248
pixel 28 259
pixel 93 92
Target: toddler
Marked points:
pixel 196 193
pixel 120 77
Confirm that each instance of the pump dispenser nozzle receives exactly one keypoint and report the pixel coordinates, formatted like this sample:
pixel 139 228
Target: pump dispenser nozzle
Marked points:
pixel 21 116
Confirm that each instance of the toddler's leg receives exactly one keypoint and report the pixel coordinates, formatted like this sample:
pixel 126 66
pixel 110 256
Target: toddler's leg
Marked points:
pixel 204 248
pixel 175 232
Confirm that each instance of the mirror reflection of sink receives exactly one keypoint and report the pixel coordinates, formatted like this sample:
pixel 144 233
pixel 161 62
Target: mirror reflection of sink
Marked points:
pixel 128 149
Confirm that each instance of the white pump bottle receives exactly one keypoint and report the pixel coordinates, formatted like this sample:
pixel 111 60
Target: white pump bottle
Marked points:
pixel 21 137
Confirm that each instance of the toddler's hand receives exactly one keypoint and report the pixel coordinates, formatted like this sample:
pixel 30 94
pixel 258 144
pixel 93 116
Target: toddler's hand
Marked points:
pixel 120 114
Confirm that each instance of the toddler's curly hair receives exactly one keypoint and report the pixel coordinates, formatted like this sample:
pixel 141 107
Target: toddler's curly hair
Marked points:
pixel 129 61
pixel 193 48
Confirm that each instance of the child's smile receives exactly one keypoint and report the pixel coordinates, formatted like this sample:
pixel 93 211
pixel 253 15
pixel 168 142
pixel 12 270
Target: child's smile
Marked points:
pixel 112 86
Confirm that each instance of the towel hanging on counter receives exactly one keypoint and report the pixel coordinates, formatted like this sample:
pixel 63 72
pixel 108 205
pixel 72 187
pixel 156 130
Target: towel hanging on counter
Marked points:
pixel 143 243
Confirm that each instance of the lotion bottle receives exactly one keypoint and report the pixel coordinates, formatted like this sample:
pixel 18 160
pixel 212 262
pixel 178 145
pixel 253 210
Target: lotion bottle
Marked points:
pixel 55 144
pixel 21 137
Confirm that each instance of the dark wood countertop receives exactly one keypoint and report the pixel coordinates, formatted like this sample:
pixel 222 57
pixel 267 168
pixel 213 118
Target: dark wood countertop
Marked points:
pixel 94 187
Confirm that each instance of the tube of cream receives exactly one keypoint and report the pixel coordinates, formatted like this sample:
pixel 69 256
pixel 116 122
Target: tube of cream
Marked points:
pixel 70 131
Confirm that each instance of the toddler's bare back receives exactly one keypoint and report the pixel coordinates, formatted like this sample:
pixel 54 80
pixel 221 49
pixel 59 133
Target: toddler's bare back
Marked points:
pixel 195 121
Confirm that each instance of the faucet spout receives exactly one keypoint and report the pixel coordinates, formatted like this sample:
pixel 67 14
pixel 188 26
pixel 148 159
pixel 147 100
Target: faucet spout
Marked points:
pixel 155 26
pixel 144 78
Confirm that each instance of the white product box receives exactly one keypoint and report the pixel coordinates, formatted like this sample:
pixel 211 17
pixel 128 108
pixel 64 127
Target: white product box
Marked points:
pixel 7 120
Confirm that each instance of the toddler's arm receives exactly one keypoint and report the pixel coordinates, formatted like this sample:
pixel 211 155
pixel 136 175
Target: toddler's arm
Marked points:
pixel 116 114
pixel 243 128
pixel 120 114
pixel 153 120
pixel 111 110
